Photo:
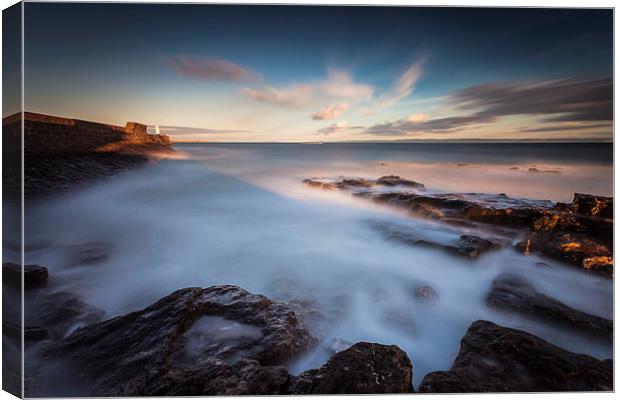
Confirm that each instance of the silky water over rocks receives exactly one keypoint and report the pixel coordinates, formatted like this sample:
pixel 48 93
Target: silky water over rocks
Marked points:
pixel 241 215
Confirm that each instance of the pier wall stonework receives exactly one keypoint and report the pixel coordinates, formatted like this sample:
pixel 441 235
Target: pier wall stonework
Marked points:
pixel 51 136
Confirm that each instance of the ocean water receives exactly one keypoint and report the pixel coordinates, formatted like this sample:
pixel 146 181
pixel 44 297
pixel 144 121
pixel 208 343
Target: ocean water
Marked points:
pixel 239 214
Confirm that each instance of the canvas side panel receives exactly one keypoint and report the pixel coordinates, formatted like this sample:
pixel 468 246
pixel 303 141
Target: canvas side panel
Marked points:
pixel 12 146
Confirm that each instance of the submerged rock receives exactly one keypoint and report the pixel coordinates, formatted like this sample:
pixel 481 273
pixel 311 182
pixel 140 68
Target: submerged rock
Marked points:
pixel 349 183
pixel 395 180
pixel 88 253
pixel 465 246
pixel 426 294
pixel 185 341
pixel 35 276
pixel 63 312
pixel 493 358
pixel 364 368
pixel 512 292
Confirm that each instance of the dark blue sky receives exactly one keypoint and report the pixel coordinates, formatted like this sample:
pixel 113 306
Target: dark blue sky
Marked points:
pixel 80 57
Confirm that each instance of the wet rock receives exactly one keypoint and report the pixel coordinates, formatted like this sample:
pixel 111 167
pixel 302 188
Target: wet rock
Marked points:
pixel 465 246
pixel 593 206
pixel 541 264
pixel 493 358
pixel 218 378
pixel 35 276
pixel 394 180
pixel 197 333
pixel 426 294
pixel 349 183
pixel 513 292
pixel 578 249
pixel 337 345
pixel 63 312
pixel 399 320
pixel 31 333
pixel 364 368
pixel 88 253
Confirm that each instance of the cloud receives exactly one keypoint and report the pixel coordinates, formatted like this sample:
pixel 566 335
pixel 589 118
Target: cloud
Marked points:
pixel 559 128
pixel 211 69
pixel 437 125
pixel 292 97
pixel 329 112
pixel 400 89
pixel 336 88
pixel 570 99
pixel 184 130
pixel 334 128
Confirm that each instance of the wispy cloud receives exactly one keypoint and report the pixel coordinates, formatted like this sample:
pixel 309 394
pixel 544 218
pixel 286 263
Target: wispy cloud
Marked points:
pixel 402 88
pixel 570 99
pixel 336 88
pixel 297 96
pixel 333 128
pixel 329 112
pixel 212 69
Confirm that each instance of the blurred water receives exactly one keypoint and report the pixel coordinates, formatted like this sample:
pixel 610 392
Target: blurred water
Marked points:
pixel 239 214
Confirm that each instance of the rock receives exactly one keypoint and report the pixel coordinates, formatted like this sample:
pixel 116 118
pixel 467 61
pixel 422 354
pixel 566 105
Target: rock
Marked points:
pixel 399 320
pixel 217 378
pixel 394 180
pixel 541 264
pixel 578 249
pixel 35 276
pixel 465 246
pixel 425 293
pixel 364 368
pixel 88 253
pixel 189 337
pixel 337 345
pixel 63 312
pixel 31 333
pixel 462 164
pixel 593 206
pixel 512 292
pixel 493 358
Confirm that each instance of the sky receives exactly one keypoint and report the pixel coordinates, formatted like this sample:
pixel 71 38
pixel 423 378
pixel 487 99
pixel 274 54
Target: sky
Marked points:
pixel 308 73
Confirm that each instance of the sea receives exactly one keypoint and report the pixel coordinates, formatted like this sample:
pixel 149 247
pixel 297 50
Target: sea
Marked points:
pixel 239 214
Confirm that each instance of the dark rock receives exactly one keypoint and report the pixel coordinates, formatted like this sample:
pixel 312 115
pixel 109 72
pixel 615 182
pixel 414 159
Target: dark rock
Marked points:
pixel 425 293
pixel 200 334
pixel 35 276
pixel 541 264
pixel 394 180
pixel 88 253
pixel 63 312
pixel 399 320
pixel 31 333
pixel 337 345
pixel 578 249
pixel 364 368
pixel 493 358
pixel 465 246
pixel 217 378
pixel 512 292
pixel 593 206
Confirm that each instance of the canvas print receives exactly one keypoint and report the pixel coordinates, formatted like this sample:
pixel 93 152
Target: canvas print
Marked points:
pixel 205 199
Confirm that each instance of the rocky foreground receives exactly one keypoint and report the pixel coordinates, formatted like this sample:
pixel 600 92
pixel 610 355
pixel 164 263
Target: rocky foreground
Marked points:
pixel 579 233
pixel 223 340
